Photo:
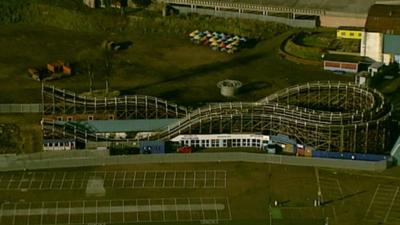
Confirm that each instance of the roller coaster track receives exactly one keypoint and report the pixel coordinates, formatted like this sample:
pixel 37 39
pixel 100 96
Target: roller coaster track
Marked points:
pixel 329 116
pixel 61 102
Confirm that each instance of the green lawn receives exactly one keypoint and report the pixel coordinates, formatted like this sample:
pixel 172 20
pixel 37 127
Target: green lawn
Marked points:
pixel 251 188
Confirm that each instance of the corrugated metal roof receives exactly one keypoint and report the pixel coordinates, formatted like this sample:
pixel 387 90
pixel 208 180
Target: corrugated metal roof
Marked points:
pixel 391 44
pixel 113 126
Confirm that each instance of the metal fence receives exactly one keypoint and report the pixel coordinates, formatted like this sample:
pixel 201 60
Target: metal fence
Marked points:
pixel 20 108
pixel 229 14
pixel 47 160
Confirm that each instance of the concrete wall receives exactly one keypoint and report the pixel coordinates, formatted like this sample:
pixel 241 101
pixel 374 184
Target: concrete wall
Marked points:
pixel 231 14
pixel 101 158
pixel 337 21
pixel 371 46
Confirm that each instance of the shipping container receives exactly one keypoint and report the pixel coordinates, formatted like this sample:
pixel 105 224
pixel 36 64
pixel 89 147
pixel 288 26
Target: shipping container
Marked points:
pixel 152 147
pixel 349 155
pixel 308 151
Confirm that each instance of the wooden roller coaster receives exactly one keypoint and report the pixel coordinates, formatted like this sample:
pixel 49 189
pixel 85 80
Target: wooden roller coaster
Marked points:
pixel 329 116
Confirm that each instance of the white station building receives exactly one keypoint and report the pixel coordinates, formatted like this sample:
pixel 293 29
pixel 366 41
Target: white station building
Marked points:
pixel 222 140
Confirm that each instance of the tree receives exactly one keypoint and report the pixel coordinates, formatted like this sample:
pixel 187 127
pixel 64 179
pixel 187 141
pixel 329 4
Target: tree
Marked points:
pixel 90 73
pixel 108 66
pixel 89 58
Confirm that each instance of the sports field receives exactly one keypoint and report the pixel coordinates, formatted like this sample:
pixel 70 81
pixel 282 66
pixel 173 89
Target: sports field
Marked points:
pixel 201 193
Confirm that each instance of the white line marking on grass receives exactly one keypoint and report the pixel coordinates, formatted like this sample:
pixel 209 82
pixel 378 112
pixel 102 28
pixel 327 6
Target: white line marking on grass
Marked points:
pixel 31 181
pixel 20 181
pixel 113 181
pixel 176 210
pixel 41 214
pixel 134 179
pixel 72 181
pixel 229 208
pixel 163 209
pixel 216 210
pixel 372 201
pixel 123 180
pixel 165 176
pixel 15 213
pixel 9 182
pixel 52 181
pixel 319 190
pixel 62 181
pixel 340 188
pixel 137 213
pixel 144 178
pixel 82 183
pixel 391 205
pixel 190 209
pixel 29 213
pixel 155 179
pixel 41 183
pixel 149 205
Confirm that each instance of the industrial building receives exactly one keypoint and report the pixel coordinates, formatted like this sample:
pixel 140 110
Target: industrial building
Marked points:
pixel 344 63
pixel 296 13
pixel 381 40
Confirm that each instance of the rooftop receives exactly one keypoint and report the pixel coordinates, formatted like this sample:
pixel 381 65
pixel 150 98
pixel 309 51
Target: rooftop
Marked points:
pixel 342 6
pixel 351 28
pixel 114 126
pixel 383 19
pixel 345 58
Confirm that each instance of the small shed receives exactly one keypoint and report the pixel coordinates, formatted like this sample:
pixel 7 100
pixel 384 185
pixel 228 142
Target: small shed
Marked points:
pixel 362 78
pixel 350 32
pixel 342 63
pixel 375 68
pixel 58 144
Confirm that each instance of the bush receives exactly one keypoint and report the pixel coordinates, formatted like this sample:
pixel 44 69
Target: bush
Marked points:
pixel 302 51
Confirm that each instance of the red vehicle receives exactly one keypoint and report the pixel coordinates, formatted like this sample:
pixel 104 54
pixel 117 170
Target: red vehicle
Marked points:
pixel 184 149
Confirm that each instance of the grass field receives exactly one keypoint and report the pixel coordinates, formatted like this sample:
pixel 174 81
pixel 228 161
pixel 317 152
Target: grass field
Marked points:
pixel 224 193
pixel 165 66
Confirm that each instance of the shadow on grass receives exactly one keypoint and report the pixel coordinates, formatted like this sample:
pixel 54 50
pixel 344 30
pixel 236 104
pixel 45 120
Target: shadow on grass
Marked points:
pixel 254 86
pixel 198 71
pixel 345 197
pixel 124 45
